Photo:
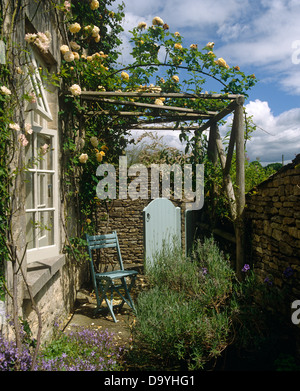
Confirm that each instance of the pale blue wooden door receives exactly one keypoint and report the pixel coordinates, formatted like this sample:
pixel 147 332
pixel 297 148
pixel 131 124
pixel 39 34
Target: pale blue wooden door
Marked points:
pixel 162 225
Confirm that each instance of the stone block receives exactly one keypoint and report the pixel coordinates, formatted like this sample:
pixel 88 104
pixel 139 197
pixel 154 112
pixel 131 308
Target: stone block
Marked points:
pixel 276 234
pixel 285 248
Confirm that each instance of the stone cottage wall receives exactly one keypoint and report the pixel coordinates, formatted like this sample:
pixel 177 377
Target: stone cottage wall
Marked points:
pixel 273 228
pixel 52 281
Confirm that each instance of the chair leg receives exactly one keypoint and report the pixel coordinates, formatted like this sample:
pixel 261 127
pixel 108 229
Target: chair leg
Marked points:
pixel 127 290
pixel 109 286
pixel 109 301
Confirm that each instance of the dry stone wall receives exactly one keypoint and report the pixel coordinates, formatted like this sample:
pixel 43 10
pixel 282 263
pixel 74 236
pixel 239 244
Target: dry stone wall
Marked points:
pixel 273 228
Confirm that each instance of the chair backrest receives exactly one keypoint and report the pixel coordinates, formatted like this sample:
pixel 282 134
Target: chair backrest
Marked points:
pixel 104 241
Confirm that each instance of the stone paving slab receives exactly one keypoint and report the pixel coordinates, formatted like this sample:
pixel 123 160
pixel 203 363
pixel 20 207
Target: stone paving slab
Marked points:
pixel 84 316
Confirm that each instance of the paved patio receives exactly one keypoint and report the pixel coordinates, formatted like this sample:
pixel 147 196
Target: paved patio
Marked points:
pixel 84 314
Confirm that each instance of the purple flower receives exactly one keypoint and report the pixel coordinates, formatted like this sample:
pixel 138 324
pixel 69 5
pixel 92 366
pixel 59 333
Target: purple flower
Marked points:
pixel 246 268
pixel 204 271
pixel 288 272
pixel 268 281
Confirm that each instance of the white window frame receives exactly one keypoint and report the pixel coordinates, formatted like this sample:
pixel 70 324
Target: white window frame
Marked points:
pixel 48 251
pixel 39 114
pixel 36 86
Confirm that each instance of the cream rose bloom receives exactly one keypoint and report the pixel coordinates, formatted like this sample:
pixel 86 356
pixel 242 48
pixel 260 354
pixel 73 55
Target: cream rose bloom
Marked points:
pixel 210 45
pixel 125 76
pixel 14 126
pixel 95 31
pixel 83 158
pixel 64 49
pixel 142 25
pixel 75 90
pixel 159 102
pixel 69 56
pixel 23 140
pixel 28 128
pixel 74 28
pixel 178 46
pixel 74 45
pixel 94 4
pixel 157 21
pixel 5 90
pixel 222 63
pixel 175 78
pixel 94 141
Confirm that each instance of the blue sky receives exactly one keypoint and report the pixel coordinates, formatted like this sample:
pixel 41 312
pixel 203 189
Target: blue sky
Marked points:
pixel 262 37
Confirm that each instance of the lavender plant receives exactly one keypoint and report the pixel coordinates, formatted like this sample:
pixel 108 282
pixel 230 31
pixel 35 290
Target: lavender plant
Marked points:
pixel 12 358
pixel 80 350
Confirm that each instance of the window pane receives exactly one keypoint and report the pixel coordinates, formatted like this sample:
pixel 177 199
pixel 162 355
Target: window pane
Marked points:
pixel 50 191
pixel 41 191
pixel 46 229
pixel 30 230
pixel 45 152
pixel 45 190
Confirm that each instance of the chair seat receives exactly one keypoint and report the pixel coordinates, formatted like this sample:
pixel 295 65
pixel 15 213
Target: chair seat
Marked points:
pixel 115 274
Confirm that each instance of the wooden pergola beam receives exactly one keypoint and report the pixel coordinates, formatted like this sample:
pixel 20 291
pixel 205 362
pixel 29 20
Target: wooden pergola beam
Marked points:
pixel 173 116
pixel 227 110
pixel 150 106
pixel 164 127
pixel 183 95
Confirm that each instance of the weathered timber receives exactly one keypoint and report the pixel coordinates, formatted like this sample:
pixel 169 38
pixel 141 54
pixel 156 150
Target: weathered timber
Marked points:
pixel 227 179
pixel 240 192
pixel 227 110
pixel 150 106
pixel 174 116
pixel 160 95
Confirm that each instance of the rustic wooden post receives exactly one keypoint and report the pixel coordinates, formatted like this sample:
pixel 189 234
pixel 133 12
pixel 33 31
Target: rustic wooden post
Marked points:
pixel 240 181
pixel 212 147
pixel 212 152
pixel 226 176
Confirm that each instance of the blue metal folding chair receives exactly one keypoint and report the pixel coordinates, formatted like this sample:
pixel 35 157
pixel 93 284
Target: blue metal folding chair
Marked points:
pixel 112 281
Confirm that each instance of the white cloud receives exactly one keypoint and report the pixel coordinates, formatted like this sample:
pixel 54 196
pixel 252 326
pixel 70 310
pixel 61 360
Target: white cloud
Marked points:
pixel 257 35
pixel 275 135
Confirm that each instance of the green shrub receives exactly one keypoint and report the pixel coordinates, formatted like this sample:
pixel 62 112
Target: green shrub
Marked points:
pixel 180 321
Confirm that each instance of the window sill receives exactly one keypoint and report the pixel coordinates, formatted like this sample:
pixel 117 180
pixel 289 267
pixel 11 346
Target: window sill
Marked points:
pixel 40 272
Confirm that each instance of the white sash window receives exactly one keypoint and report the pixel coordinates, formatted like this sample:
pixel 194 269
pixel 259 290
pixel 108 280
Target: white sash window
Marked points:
pixel 41 175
